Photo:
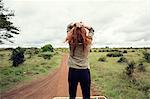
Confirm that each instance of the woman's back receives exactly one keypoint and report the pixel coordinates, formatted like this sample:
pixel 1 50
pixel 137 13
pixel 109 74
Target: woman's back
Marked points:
pixel 79 59
pixel 79 45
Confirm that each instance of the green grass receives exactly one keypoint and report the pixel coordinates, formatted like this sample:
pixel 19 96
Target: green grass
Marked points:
pixel 4 58
pixel 107 76
pixel 112 82
pixel 32 68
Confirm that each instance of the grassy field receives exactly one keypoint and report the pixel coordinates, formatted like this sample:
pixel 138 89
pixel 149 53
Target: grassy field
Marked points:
pixel 32 68
pixel 108 75
pixel 111 81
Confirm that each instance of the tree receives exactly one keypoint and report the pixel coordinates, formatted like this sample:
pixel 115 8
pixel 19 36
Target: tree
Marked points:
pixel 17 56
pixel 47 47
pixel 6 26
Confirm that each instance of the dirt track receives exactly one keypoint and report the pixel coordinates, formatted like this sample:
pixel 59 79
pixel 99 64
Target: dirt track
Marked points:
pixel 46 88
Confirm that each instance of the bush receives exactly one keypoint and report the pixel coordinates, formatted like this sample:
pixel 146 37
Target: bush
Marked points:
pixel 122 60
pixel 103 51
pixel 90 50
pixel 46 55
pixel 102 59
pixel 32 51
pixel 1 56
pixel 47 47
pixel 125 51
pixel 95 50
pixel 17 56
pixel 130 68
pixel 114 54
pixel 99 51
pixel 141 67
pixel 146 56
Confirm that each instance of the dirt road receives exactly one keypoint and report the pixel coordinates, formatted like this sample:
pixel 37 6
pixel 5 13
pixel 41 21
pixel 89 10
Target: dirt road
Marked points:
pixel 46 88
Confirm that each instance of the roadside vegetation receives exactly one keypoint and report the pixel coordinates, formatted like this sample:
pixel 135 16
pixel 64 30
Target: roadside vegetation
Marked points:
pixel 117 73
pixel 125 74
pixel 25 64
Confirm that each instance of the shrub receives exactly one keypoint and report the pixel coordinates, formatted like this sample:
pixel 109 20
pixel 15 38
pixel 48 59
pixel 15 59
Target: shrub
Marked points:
pixel 47 47
pixel 130 68
pixel 99 51
pixel 141 67
pixel 46 55
pixel 95 50
pixel 146 56
pixel 106 46
pixel 107 50
pixel 102 59
pixel 1 56
pixel 8 49
pixel 32 51
pixel 17 56
pixel 90 50
pixel 103 51
pixel 122 59
pixel 112 50
pixel 114 54
pixel 115 50
pixel 125 51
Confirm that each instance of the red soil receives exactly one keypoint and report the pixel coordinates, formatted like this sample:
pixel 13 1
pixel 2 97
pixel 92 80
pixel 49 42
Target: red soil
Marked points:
pixel 55 84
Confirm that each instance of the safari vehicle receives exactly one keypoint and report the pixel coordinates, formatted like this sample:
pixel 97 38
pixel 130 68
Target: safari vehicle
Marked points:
pixel 92 97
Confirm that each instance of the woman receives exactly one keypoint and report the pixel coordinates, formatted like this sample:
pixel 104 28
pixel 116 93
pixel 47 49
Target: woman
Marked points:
pixel 79 38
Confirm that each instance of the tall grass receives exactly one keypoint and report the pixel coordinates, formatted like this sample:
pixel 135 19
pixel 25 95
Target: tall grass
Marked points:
pixel 114 83
pixel 31 68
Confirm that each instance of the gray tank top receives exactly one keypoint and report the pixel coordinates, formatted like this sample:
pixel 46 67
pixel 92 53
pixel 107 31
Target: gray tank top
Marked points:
pixel 80 58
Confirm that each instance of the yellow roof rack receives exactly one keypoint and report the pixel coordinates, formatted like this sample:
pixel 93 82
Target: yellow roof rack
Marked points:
pixel 92 97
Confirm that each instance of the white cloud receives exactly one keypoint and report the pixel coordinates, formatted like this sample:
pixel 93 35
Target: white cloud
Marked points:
pixel 116 22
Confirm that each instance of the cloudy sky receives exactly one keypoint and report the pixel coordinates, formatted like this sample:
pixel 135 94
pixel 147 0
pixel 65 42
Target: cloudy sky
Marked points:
pixel 117 23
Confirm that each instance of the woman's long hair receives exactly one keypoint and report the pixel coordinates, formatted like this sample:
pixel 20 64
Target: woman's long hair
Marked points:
pixel 78 35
